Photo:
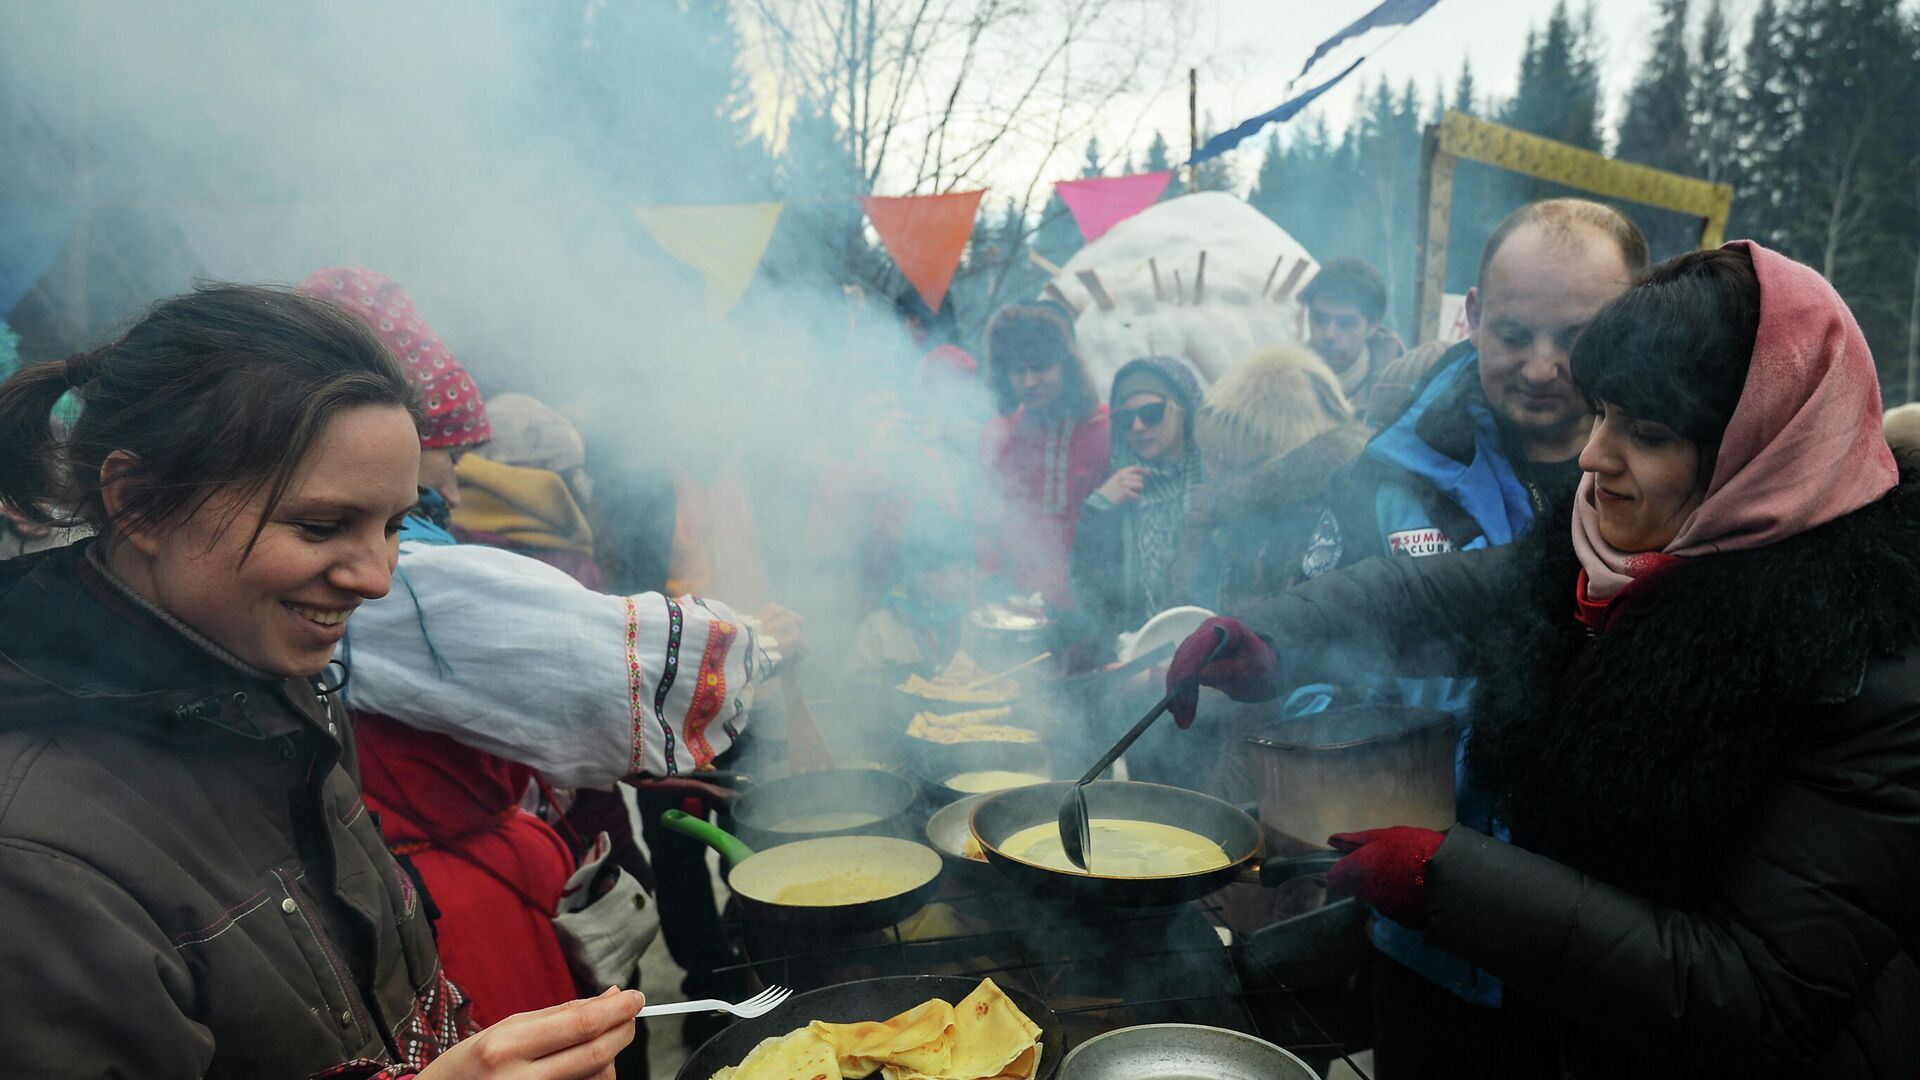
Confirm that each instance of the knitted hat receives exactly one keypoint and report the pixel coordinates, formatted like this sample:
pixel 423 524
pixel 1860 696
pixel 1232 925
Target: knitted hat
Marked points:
pixel 456 414
pixel 1166 376
pixel 531 435
pixel 1162 375
pixel 1270 406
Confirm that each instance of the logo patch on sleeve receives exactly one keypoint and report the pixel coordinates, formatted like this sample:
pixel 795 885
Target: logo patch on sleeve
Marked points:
pixel 1418 542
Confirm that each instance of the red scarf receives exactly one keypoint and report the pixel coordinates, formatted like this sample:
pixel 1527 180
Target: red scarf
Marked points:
pixel 1598 615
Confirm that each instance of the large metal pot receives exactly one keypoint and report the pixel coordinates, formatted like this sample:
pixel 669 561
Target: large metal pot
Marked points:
pixel 1181 1052
pixel 998 636
pixel 1354 767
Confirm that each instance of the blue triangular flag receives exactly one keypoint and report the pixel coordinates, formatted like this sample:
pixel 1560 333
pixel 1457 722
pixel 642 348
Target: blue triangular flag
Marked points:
pixel 1390 13
pixel 1227 140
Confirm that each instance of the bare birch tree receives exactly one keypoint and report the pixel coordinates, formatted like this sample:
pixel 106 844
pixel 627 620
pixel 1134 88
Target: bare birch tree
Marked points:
pixel 932 95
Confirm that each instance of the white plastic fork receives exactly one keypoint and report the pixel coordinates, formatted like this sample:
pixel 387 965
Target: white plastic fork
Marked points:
pixel 758 1005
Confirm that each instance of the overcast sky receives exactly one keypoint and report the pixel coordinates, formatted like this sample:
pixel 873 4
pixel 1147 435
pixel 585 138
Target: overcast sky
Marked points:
pixel 1247 51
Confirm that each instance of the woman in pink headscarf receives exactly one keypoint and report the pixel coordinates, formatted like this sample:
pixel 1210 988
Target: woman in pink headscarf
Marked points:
pixel 1697 720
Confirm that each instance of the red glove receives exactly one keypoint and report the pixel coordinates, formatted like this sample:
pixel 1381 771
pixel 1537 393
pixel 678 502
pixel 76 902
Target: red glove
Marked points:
pixel 1247 669
pixel 1386 869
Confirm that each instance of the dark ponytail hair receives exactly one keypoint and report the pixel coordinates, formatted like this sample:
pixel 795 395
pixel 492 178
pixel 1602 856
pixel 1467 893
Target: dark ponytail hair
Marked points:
pixel 226 385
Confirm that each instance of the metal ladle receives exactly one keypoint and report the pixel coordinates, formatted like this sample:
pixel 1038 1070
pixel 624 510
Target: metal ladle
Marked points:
pixel 1076 830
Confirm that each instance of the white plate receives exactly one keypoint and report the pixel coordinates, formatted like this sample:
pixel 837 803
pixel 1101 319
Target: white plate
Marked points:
pixel 1170 627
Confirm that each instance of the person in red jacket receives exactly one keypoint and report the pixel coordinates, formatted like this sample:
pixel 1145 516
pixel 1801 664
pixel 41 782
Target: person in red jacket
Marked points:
pixel 1044 454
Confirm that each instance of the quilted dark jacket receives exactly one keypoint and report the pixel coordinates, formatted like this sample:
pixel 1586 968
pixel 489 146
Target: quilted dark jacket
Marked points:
pixel 1715 803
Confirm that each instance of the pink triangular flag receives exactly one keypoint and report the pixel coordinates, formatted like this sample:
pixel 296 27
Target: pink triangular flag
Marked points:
pixel 1105 201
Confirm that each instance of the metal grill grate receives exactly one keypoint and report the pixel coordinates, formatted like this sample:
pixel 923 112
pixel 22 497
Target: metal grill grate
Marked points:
pixel 1097 968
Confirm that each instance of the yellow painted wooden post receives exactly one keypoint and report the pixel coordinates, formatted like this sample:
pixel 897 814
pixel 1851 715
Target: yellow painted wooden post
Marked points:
pixel 1461 136
pixel 1436 222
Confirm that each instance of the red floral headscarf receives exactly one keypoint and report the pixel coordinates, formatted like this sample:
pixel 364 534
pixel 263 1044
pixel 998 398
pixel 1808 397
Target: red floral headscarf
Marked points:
pixel 456 414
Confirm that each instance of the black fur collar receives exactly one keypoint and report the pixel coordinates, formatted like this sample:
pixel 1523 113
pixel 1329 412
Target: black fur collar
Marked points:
pixel 1628 755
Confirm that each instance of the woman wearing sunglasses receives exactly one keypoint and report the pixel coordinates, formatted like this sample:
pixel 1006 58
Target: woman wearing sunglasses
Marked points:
pixel 1130 527
pixel 1698 714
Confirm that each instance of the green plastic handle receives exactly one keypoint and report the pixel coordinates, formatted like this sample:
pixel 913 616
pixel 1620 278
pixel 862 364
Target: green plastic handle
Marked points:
pixel 729 847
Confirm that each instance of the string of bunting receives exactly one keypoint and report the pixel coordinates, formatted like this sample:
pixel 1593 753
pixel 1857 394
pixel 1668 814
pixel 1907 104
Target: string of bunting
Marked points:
pixel 927 234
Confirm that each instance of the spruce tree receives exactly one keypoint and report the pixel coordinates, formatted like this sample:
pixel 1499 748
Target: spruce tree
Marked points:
pixel 1157 154
pixel 1766 120
pixel 1657 129
pixel 1159 159
pixel 1056 238
pixel 1215 173
pixel 1713 101
pixel 1465 93
pixel 1269 184
pixel 1559 91
pixel 821 239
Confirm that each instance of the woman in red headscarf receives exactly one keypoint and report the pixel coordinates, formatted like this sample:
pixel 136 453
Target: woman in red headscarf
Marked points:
pixel 1698 715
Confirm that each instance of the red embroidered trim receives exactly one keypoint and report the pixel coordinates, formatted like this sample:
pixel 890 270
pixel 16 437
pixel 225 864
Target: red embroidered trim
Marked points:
pixel 635 699
pixel 365 1069
pixel 438 1020
pixel 710 691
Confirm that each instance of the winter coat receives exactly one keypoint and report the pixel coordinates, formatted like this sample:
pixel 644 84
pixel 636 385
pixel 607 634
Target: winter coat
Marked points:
pixel 1715 804
pixel 1446 475
pixel 1251 534
pixel 190 885
pixel 493 871
pixel 1036 476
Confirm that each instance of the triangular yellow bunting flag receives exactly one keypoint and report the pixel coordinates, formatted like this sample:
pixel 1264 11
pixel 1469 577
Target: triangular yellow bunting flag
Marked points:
pixel 724 243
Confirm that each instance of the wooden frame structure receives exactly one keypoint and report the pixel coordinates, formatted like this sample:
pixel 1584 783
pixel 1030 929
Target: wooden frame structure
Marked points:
pixel 1458 136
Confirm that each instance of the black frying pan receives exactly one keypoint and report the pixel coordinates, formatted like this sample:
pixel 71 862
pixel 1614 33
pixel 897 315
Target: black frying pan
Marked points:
pixel 776 812
pixel 935 764
pixel 1007 812
pixel 867 999
pixel 760 879
pixel 948 833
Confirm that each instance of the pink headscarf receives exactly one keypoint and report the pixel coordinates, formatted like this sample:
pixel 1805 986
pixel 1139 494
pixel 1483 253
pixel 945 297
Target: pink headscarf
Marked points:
pixel 456 415
pixel 1804 446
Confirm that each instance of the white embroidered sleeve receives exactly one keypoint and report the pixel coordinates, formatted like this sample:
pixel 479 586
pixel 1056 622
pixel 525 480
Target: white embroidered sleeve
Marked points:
pixel 509 655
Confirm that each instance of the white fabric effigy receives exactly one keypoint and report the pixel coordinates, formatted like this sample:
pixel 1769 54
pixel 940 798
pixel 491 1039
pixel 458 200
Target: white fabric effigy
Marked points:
pixel 506 654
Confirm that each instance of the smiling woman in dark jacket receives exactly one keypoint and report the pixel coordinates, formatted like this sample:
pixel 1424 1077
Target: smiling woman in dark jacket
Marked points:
pixel 190 885
pixel 1699 714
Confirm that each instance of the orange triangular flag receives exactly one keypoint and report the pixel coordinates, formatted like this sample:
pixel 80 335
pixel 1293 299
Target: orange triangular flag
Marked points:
pixel 926 235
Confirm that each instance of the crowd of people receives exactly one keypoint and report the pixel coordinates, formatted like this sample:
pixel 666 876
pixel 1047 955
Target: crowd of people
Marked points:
pixel 332 687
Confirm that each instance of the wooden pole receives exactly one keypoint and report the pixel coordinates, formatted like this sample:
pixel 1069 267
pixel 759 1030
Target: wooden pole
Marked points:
pixel 1436 210
pixel 1193 127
